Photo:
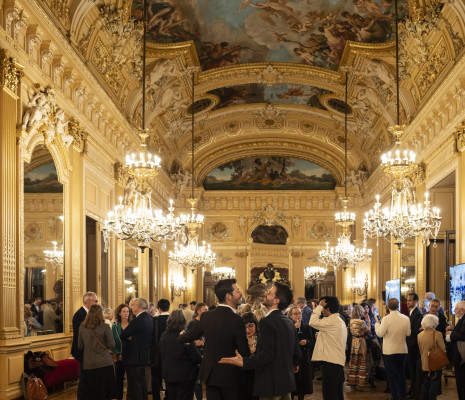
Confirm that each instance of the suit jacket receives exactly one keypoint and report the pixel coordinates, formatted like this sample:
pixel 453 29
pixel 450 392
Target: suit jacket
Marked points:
pixel 136 350
pixel 78 318
pixel 159 326
pixel 178 361
pixel 306 313
pixel 458 334
pixel 278 351
pixel 224 333
pixel 415 325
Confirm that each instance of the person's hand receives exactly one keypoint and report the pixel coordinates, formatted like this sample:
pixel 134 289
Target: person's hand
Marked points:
pixel 296 369
pixel 130 338
pixel 303 342
pixel 182 332
pixel 237 361
pixel 323 303
pixel 297 325
pixel 253 350
pixel 199 343
pixel 120 357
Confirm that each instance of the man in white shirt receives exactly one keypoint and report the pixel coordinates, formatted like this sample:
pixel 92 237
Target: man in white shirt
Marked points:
pixel 330 346
pixel 394 329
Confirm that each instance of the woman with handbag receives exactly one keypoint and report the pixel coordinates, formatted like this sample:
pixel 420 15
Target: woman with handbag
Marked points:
pixel 122 321
pixel 96 339
pixel 433 357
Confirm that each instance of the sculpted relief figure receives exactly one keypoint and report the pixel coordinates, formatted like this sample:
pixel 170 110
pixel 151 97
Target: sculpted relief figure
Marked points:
pixel 381 70
pixel 182 179
pixel 61 122
pixel 357 179
pixel 36 110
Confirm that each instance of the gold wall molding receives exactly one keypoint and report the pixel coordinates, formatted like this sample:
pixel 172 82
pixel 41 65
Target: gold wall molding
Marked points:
pixel 10 72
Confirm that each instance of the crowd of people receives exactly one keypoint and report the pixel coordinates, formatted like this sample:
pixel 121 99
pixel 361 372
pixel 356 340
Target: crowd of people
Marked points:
pixel 265 350
pixel 42 317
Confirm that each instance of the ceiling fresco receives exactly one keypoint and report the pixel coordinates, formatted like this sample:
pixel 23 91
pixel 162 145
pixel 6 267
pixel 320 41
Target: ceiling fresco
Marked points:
pixel 261 93
pixel 228 32
pixel 269 173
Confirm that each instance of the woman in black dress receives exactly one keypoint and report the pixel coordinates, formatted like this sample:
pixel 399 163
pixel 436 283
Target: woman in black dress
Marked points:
pixel 251 327
pixel 303 378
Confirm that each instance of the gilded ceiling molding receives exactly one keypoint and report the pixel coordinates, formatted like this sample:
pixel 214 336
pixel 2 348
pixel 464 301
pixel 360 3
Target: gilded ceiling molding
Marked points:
pixel 460 137
pixel 10 72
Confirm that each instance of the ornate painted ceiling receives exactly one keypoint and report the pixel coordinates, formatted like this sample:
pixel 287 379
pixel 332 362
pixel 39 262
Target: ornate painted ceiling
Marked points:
pixel 269 75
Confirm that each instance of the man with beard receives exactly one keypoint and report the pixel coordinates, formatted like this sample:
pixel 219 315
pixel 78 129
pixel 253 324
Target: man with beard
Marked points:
pixel 278 351
pixel 224 331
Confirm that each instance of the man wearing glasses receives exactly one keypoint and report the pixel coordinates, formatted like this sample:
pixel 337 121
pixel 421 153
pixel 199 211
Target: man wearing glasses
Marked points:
pixel 88 300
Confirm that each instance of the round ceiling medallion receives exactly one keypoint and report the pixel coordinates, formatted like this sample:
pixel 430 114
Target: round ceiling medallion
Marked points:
pixel 200 105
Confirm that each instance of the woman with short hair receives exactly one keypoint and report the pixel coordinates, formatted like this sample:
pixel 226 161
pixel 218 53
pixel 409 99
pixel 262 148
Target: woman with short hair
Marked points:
pixel 427 339
pixel 304 377
pixel 178 361
pixel 96 339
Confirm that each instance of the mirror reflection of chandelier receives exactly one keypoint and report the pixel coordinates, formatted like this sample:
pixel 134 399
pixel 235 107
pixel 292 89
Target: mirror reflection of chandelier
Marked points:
pixel 403 219
pixel 359 287
pixel 193 255
pixel 178 286
pixel 134 218
pixel 314 275
pixel 344 253
pixel 54 256
pixel 220 273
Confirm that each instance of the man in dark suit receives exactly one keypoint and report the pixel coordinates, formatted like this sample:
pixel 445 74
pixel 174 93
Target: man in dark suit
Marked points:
pixel 159 326
pixel 88 300
pixel 453 337
pixel 137 337
pixel 304 308
pixel 413 358
pixel 224 333
pixel 278 351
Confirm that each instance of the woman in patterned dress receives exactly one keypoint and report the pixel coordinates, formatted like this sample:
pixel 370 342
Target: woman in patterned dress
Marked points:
pixel 358 376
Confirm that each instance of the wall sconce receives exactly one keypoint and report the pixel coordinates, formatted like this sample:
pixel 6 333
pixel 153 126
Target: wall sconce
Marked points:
pixel 359 287
pixel 220 273
pixel 178 287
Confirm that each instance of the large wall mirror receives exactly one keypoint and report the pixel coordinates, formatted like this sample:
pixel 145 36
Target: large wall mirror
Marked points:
pixel 131 271
pixel 407 271
pixel 43 244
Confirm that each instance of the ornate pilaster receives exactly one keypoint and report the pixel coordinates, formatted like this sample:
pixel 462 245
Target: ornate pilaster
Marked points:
pixel 10 75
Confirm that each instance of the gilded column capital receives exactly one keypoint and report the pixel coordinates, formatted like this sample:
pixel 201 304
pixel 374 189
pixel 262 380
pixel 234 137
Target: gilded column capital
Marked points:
pixel 121 175
pixel 79 135
pixel 460 137
pixel 10 72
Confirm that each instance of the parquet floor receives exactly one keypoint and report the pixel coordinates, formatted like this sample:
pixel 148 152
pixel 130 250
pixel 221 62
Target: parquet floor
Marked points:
pixel 449 392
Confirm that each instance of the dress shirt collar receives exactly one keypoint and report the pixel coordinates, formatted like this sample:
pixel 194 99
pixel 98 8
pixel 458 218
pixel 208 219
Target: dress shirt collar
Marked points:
pixel 165 313
pixel 412 310
pixel 85 308
pixel 225 305
pixel 140 313
pixel 268 312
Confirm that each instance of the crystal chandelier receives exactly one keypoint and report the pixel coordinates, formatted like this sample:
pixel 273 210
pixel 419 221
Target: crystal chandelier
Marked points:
pixel 403 219
pixel 314 275
pixel 54 256
pixel 134 218
pixel 178 286
pixel 359 287
pixel 220 273
pixel 345 253
pixel 192 256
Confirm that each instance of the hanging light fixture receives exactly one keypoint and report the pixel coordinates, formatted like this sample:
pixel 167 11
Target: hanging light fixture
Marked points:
pixel 135 219
pixel 345 253
pixel 403 219
pixel 359 287
pixel 314 275
pixel 220 273
pixel 193 255
pixel 55 256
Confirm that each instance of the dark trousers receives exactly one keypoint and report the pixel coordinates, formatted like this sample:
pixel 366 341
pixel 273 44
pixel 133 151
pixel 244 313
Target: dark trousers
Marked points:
pixel 332 379
pixel 137 387
pixel 156 382
pixel 413 362
pixel 120 369
pixel 81 388
pixel 180 390
pixel 431 385
pixel 394 365
pixel 223 393
pixel 460 380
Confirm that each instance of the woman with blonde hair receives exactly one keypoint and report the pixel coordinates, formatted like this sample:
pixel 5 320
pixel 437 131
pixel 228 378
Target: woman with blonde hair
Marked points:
pixel 358 376
pixel 96 339
pixel 259 314
pixel 31 323
pixel 304 377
